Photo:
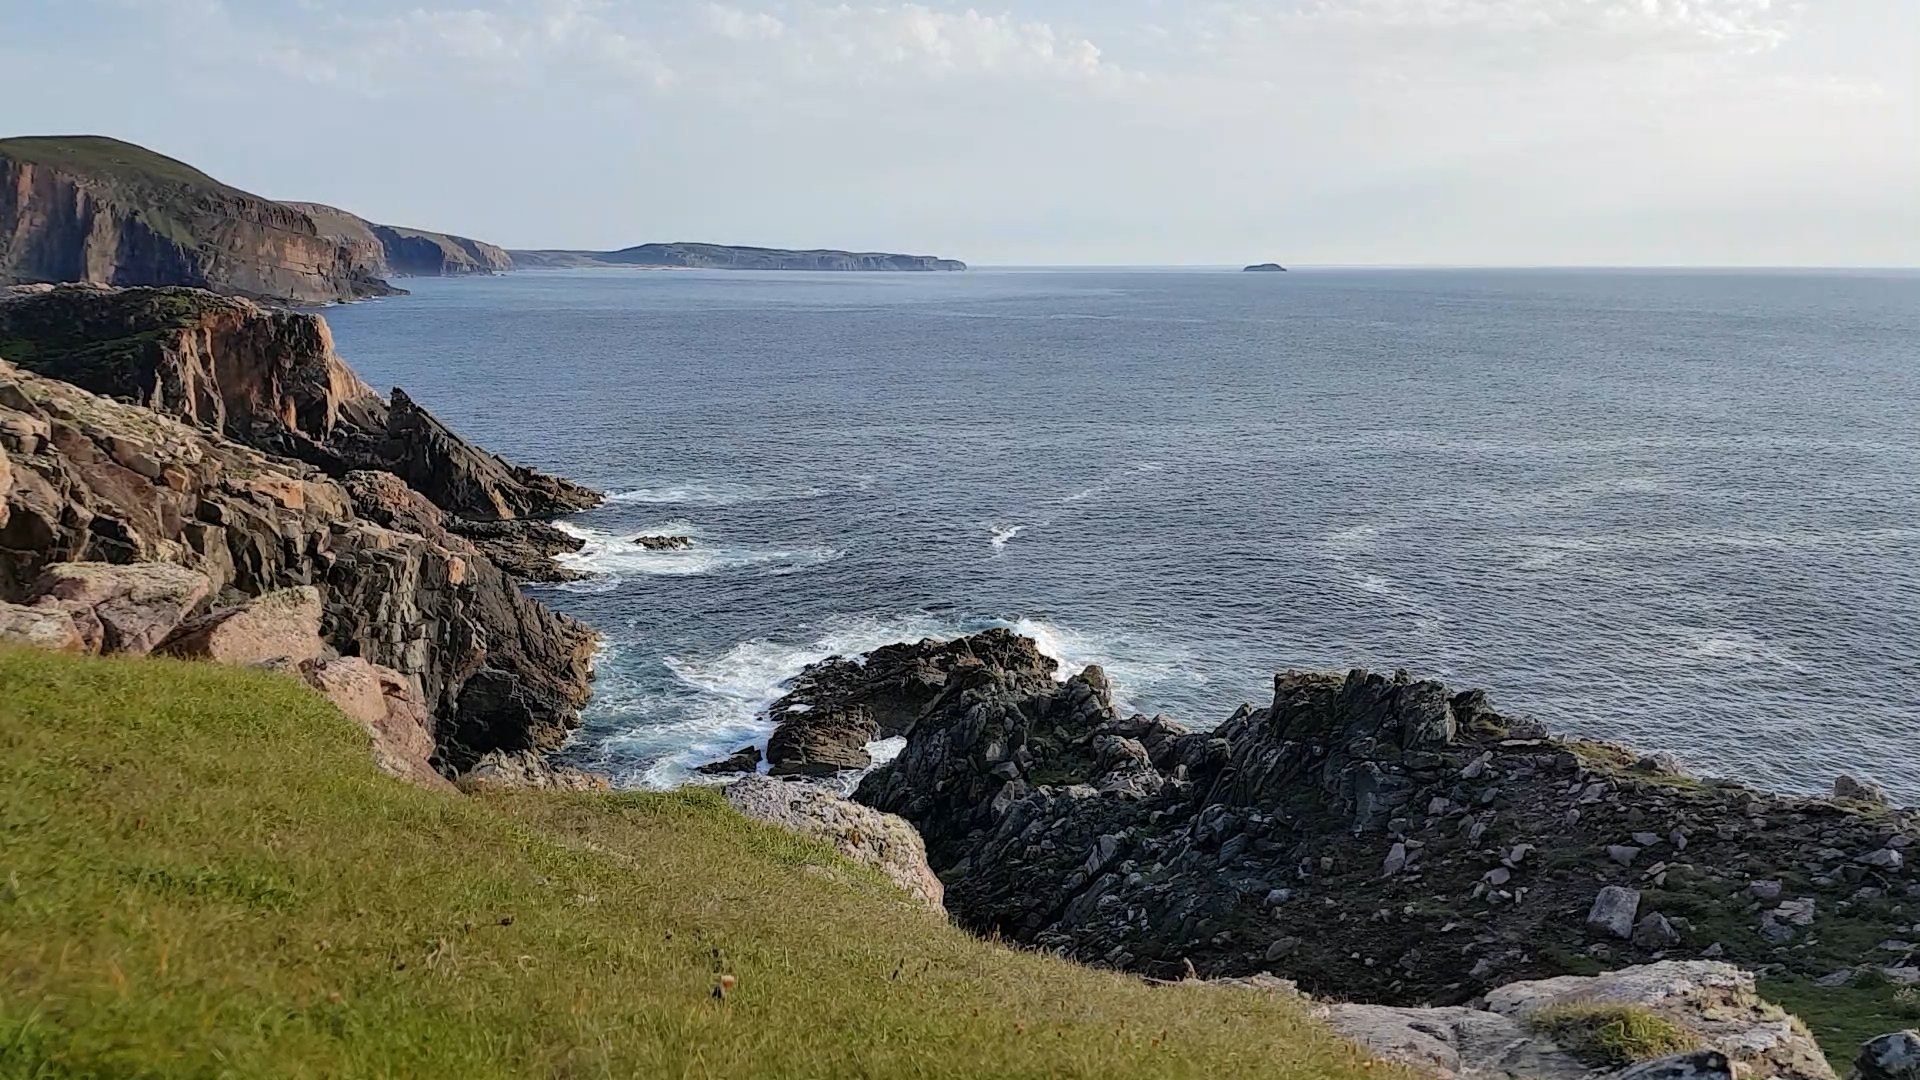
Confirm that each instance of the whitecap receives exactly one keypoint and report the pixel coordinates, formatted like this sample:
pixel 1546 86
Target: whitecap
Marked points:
pixel 1002 534
pixel 716 493
pixel 611 558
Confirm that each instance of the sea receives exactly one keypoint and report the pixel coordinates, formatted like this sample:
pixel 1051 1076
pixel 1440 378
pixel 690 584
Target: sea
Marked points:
pixel 1678 509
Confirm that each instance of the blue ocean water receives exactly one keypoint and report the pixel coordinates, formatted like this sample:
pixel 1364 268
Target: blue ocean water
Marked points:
pixel 1680 509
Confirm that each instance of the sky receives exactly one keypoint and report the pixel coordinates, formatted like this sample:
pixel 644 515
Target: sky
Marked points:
pixel 1051 132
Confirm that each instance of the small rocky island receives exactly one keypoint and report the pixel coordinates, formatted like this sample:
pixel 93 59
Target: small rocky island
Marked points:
pixel 1264 268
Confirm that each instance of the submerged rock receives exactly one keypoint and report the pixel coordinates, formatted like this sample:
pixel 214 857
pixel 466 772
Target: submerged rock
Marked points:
pixel 744 760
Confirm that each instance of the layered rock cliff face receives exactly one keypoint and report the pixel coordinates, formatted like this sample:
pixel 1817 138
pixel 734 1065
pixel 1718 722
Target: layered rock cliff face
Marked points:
pixel 1375 837
pixel 391 251
pixel 729 257
pixel 89 209
pixel 195 465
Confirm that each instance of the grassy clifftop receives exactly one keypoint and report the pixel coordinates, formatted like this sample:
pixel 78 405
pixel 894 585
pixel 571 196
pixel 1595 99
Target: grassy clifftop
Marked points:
pixel 202 875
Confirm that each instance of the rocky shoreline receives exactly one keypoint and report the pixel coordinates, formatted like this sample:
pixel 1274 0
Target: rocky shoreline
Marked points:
pixel 1372 838
pixel 194 476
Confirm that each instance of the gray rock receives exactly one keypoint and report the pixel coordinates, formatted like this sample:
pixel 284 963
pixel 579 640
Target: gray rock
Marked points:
pixel 883 841
pixel 1694 1065
pixel 1851 789
pixel 1613 912
pixel 1883 859
pixel 1889 1057
pixel 1654 931
pixel 1623 854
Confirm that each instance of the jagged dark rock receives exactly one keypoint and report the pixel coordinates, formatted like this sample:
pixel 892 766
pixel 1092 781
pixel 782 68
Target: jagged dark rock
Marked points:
pixel 838 706
pixel 665 543
pixel 1134 843
pixel 744 760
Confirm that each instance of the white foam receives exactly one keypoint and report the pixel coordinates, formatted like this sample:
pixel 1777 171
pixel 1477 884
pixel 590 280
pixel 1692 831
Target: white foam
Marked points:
pixel 1002 534
pixel 716 493
pixel 612 557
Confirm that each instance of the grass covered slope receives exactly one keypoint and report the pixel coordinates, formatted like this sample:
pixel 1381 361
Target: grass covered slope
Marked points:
pixel 201 874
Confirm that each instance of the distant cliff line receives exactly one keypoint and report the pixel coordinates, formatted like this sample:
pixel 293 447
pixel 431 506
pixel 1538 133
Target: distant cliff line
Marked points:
pixel 95 210
pixel 733 257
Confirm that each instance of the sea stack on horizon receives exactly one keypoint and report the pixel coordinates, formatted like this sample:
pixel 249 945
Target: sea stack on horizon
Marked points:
pixel 1264 268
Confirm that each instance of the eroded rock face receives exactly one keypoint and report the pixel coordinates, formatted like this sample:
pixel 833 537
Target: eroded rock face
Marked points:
pixel 883 841
pixel 93 480
pixel 271 380
pixel 383 702
pixel 40 627
pixel 1264 844
pixel 382 251
pixel 91 209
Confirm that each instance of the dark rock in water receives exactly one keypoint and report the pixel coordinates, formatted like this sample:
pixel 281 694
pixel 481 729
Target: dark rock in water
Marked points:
pixel 744 760
pixel 1265 268
pixel 1060 824
pixel 665 543
pixel 838 706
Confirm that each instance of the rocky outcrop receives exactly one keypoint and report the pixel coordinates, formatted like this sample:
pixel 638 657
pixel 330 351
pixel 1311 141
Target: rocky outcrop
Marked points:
pixel 838 706
pixel 665 543
pixel 271 380
pixel 386 706
pixel 90 209
pixel 882 841
pixel 1265 268
pixel 1376 837
pixel 729 257
pixel 93 480
pixel 528 771
pixel 390 251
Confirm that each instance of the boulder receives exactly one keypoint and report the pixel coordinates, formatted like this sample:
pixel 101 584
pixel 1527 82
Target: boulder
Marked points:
pixel 665 543
pixel 1716 1001
pixel 279 625
pixel 1852 789
pixel 1889 1057
pixel 882 841
pixel 1614 911
pixel 387 706
pixel 744 760
pixel 1453 1042
pixel 126 609
pixel 529 771
pixel 41 627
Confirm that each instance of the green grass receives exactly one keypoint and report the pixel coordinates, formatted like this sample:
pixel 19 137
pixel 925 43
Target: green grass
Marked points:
pixel 202 876
pixel 1846 1016
pixel 1614 1036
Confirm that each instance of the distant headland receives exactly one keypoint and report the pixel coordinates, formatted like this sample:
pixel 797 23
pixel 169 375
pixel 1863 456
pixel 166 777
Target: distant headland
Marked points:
pixel 1265 268
pixel 96 210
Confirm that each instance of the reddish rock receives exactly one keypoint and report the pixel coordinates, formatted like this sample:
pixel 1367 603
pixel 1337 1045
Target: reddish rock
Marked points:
pixel 122 609
pixel 280 625
pixel 41 627
pixel 387 706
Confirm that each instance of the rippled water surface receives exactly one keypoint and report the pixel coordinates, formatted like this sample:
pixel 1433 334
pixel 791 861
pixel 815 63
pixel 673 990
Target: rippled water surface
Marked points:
pixel 1679 509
